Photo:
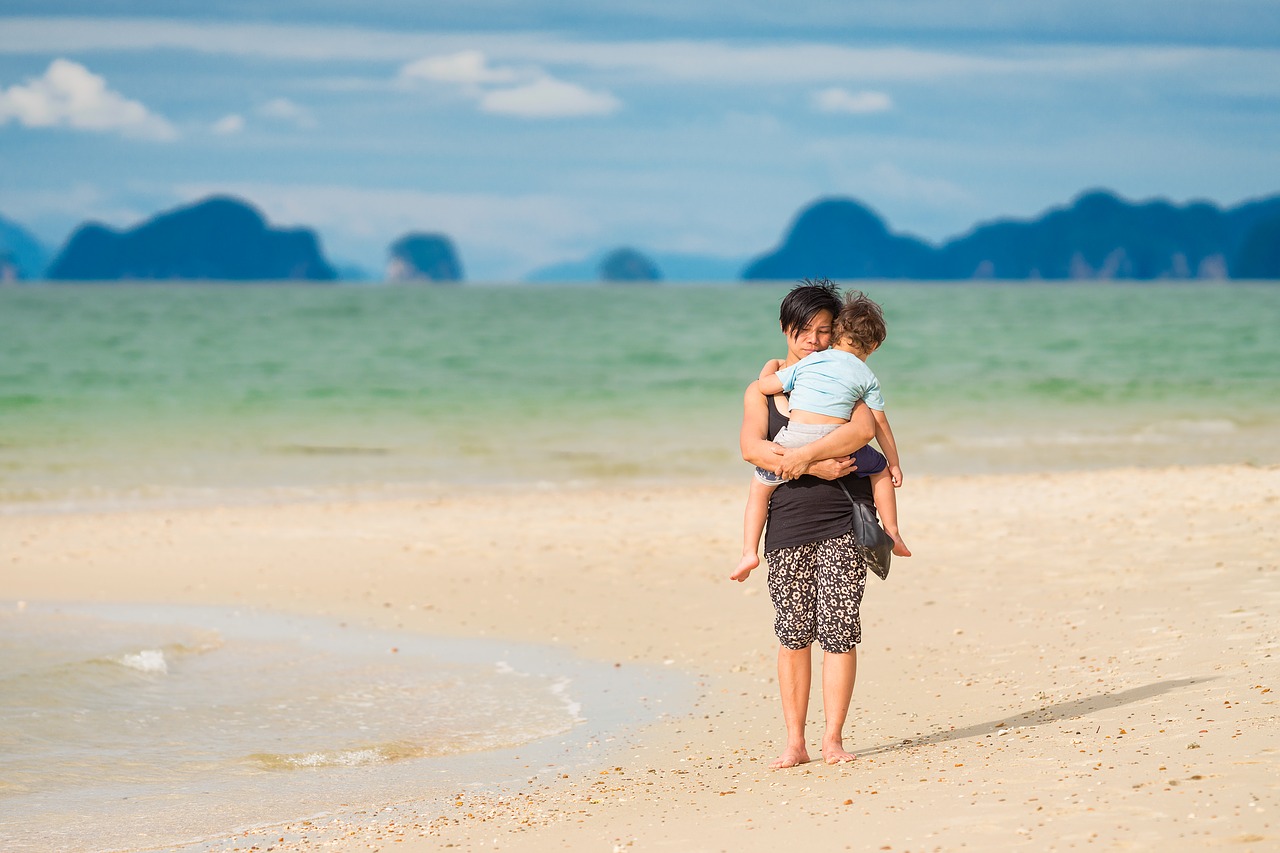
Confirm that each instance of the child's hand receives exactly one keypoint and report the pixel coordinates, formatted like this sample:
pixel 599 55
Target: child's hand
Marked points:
pixel 895 474
pixel 771 367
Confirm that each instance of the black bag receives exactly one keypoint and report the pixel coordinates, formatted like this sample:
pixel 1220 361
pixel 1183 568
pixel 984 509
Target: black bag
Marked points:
pixel 870 535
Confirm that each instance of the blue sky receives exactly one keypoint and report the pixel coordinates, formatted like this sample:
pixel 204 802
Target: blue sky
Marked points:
pixel 541 132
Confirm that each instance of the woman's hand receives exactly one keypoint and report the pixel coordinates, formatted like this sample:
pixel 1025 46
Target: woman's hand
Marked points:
pixel 832 469
pixel 798 461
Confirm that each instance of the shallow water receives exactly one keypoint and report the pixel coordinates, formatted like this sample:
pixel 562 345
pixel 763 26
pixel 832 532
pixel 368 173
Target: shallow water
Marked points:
pixel 137 727
pixel 183 392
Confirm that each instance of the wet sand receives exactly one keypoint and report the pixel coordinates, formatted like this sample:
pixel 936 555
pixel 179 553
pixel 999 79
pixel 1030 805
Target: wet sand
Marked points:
pixel 1071 660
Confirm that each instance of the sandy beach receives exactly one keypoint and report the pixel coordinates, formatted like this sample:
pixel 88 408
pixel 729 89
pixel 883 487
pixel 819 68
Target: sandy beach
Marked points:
pixel 1070 661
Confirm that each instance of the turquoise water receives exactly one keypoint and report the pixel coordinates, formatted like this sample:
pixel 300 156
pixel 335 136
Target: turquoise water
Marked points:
pixel 177 391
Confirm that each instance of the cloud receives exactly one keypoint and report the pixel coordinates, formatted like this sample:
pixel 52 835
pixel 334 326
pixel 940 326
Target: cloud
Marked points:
pixel 837 100
pixel 549 98
pixel 468 67
pixel 536 94
pixel 229 125
pixel 814 58
pixel 285 110
pixel 70 95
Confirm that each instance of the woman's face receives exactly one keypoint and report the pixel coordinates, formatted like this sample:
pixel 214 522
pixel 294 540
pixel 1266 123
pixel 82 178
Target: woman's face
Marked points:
pixel 814 337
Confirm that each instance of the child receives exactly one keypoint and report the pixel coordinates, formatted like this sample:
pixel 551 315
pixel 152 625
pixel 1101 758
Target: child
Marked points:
pixel 824 388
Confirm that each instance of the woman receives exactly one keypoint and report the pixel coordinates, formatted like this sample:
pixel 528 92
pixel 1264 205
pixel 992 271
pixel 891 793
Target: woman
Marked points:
pixel 817 571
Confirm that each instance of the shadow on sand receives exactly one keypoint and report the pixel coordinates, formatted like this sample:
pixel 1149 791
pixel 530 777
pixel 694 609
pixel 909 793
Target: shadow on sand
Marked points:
pixel 1040 716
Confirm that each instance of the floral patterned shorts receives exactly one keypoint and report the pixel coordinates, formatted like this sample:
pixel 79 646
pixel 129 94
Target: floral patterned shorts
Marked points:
pixel 817 593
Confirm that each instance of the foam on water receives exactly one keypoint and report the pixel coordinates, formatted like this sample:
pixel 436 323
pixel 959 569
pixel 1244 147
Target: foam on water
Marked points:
pixel 139 727
pixel 147 660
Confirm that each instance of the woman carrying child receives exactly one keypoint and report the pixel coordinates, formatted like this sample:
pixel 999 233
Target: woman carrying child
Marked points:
pixel 817 570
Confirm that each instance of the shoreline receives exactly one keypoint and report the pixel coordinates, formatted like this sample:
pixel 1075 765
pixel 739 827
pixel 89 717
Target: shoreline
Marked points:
pixel 1070 657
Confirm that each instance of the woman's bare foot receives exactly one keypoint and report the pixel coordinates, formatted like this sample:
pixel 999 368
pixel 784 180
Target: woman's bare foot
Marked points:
pixel 791 756
pixel 749 562
pixel 900 548
pixel 833 752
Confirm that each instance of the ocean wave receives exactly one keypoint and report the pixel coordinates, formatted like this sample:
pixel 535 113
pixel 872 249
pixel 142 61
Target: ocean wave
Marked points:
pixel 148 660
pixel 561 691
pixel 354 757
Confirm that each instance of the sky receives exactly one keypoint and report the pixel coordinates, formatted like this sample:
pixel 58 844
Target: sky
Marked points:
pixel 536 132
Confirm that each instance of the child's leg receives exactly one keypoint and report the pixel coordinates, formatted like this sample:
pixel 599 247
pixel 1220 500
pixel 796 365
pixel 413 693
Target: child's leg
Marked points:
pixel 887 509
pixel 753 528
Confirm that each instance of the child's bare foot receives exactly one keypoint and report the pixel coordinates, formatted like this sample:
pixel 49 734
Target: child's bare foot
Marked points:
pixel 833 752
pixel 749 562
pixel 791 756
pixel 900 548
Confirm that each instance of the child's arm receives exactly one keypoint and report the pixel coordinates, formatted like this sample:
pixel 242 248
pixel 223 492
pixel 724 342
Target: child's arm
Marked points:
pixel 771 367
pixel 776 378
pixel 884 438
pixel 769 385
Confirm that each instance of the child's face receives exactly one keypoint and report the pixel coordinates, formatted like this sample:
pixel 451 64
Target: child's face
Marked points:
pixel 814 337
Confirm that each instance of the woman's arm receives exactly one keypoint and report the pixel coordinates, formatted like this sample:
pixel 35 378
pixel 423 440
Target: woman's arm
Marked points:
pixel 756 447
pixel 759 451
pixel 840 443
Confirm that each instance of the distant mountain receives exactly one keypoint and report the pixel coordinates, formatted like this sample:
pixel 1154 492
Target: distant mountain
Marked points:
pixel 625 264
pixel 26 256
pixel 842 238
pixel 220 238
pixel 1098 236
pixel 1259 254
pixel 424 257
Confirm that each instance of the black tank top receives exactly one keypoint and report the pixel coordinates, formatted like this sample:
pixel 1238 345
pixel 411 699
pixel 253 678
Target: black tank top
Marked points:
pixel 810 509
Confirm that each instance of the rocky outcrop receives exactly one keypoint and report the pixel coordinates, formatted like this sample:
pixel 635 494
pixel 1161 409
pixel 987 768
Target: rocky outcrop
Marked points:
pixel 424 257
pixel 218 239
pixel 842 238
pixel 625 264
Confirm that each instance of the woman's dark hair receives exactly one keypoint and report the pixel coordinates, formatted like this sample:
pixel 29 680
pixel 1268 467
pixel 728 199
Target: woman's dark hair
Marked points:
pixel 805 300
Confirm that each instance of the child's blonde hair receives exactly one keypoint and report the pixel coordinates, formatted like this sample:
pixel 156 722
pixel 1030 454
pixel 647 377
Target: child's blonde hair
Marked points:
pixel 860 322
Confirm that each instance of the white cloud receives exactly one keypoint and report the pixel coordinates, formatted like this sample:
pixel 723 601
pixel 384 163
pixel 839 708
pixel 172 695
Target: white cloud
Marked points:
pixel 70 95
pixel 536 94
pixel 467 67
pixel 548 98
pixel 229 125
pixel 837 100
pixel 285 110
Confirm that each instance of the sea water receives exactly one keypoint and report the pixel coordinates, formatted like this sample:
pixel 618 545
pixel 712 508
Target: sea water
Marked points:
pixel 137 727
pixel 180 391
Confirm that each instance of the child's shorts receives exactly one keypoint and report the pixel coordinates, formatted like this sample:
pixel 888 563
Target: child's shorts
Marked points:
pixel 867 459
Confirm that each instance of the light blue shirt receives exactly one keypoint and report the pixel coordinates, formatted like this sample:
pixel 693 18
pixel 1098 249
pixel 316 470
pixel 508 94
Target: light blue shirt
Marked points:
pixel 830 382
